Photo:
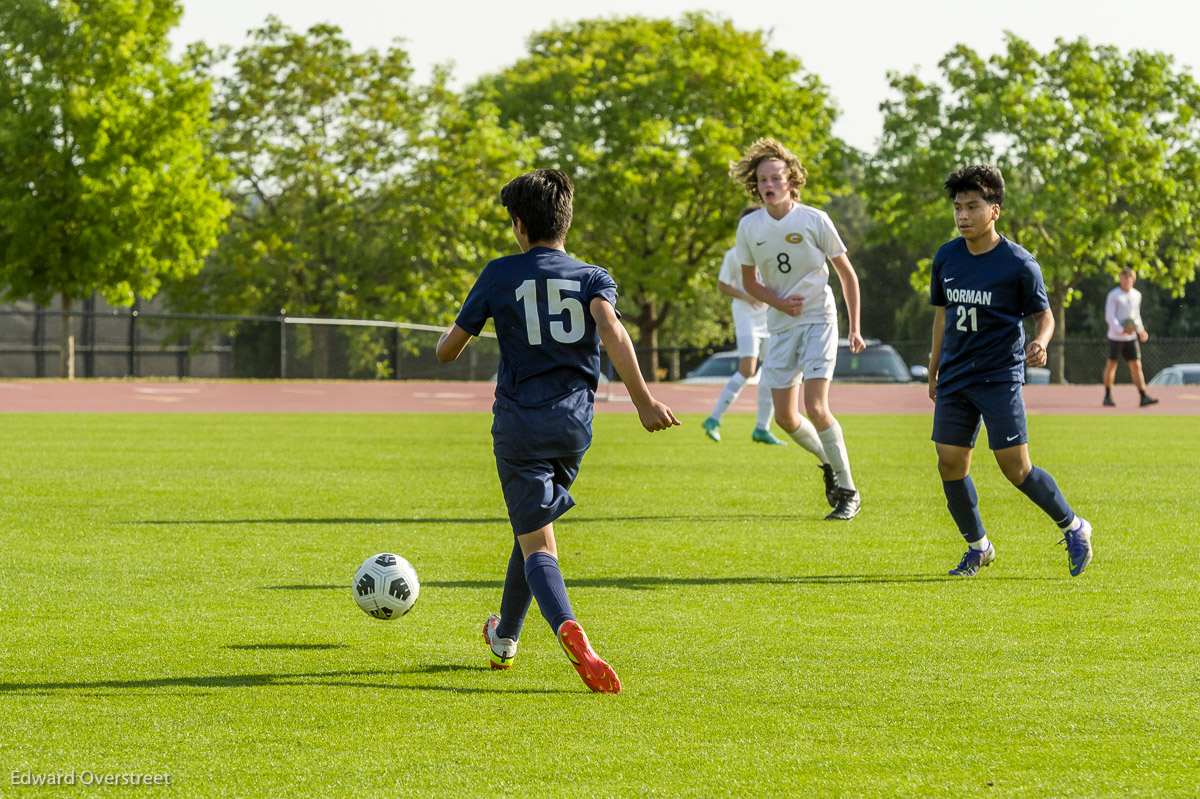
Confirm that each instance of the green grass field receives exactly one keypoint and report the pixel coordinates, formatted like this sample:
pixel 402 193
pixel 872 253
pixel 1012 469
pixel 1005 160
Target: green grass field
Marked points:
pixel 175 600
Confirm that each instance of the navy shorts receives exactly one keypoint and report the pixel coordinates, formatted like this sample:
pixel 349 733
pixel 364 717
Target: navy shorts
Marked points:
pixel 535 491
pixel 1000 406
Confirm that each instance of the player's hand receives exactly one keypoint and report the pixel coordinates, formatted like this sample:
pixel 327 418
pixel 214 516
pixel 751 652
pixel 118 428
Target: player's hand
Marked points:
pixel 857 344
pixel 1035 354
pixel 657 416
pixel 792 305
pixel 1143 335
pixel 933 389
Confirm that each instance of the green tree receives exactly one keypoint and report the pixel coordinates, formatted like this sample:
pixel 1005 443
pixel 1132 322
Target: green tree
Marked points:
pixel 645 116
pixel 360 193
pixel 105 183
pixel 1100 151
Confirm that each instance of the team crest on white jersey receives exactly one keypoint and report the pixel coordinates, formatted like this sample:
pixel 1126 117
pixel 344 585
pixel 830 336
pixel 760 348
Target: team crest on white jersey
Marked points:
pixel 794 238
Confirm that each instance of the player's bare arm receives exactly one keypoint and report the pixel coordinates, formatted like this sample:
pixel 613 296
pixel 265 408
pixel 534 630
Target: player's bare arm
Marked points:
pixel 849 278
pixel 738 294
pixel 1043 326
pixel 935 348
pixel 452 343
pixel 791 305
pixel 653 414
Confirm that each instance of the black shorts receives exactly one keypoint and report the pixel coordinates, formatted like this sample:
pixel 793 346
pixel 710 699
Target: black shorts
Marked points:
pixel 1129 350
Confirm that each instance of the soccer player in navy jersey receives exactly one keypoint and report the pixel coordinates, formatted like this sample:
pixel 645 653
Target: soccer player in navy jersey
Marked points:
pixel 551 313
pixel 983 286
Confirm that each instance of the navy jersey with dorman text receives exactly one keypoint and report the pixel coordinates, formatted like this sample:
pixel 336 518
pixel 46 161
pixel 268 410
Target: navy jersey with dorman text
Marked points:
pixel 986 297
pixel 549 349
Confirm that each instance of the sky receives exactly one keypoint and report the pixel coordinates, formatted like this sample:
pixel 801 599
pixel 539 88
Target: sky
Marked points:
pixel 850 45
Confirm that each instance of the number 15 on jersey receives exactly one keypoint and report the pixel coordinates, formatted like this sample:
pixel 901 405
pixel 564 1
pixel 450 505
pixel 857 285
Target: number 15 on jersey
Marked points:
pixel 565 331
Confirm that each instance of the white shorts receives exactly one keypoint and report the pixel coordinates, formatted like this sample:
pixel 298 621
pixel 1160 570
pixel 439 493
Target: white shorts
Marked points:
pixel 751 331
pixel 800 353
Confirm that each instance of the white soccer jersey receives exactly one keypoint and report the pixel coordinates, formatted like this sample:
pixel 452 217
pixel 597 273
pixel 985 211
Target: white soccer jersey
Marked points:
pixel 791 255
pixel 747 320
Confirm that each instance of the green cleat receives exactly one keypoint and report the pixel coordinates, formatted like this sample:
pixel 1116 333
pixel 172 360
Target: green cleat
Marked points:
pixel 767 437
pixel 712 428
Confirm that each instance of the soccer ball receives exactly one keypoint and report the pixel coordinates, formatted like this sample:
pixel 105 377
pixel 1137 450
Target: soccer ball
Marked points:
pixel 385 586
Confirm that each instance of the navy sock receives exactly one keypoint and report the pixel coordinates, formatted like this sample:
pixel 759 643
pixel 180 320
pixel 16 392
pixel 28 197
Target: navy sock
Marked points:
pixel 963 502
pixel 1041 488
pixel 514 602
pixel 546 582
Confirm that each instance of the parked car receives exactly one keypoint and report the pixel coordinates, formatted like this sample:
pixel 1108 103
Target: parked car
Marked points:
pixel 878 363
pixel 1037 376
pixel 1180 374
pixel 716 369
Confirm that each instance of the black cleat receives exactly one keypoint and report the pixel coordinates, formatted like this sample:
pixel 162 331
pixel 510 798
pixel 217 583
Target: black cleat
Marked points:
pixel 1148 400
pixel 1108 402
pixel 848 503
pixel 831 485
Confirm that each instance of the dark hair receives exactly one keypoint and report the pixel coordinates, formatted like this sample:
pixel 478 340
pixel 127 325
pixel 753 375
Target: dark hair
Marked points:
pixel 542 200
pixel 983 178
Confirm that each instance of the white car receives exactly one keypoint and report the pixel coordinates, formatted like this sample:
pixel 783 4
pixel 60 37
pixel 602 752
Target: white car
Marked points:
pixel 1180 374
pixel 716 370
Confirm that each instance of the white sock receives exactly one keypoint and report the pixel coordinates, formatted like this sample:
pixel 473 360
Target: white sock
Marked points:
pixel 980 545
pixel 766 408
pixel 806 436
pixel 835 448
pixel 728 395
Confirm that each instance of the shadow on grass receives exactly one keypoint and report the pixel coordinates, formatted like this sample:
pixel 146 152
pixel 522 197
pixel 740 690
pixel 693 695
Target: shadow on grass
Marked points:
pixel 652 583
pixel 342 679
pixel 285 646
pixel 573 520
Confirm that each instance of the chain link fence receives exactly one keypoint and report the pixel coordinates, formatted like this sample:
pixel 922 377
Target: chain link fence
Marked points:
pixel 122 343
pixel 1084 357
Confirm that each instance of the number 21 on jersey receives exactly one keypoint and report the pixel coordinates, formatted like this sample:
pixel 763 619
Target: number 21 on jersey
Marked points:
pixel 965 313
pixel 564 331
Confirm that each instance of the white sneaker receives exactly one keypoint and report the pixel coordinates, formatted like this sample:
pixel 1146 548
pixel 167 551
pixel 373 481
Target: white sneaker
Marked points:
pixel 503 650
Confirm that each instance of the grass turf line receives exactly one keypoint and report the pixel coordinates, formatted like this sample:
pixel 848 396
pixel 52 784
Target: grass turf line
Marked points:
pixel 176 600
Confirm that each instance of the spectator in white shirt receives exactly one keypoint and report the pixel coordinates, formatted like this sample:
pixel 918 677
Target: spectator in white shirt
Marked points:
pixel 1123 313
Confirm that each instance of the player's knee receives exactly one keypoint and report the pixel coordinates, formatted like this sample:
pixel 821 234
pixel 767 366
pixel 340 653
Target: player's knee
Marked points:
pixel 818 413
pixel 1016 474
pixel 949 472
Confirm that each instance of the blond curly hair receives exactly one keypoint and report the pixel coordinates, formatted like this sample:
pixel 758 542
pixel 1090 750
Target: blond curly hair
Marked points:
pixel 745 171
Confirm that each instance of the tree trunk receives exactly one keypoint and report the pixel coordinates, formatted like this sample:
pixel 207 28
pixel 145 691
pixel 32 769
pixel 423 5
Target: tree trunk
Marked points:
pixel 66 352
pixel 647 323
pixel 1057 356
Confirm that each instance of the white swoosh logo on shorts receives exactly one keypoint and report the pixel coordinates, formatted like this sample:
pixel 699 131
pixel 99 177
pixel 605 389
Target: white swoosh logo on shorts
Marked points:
pixel 1010 438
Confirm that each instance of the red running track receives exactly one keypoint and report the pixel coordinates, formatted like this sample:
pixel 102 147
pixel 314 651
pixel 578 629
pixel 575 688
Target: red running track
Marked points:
pixel 121 396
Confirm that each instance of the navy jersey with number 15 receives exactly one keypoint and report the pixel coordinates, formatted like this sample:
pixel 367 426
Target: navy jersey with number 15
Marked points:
pixel 986 297
pixel 549 349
